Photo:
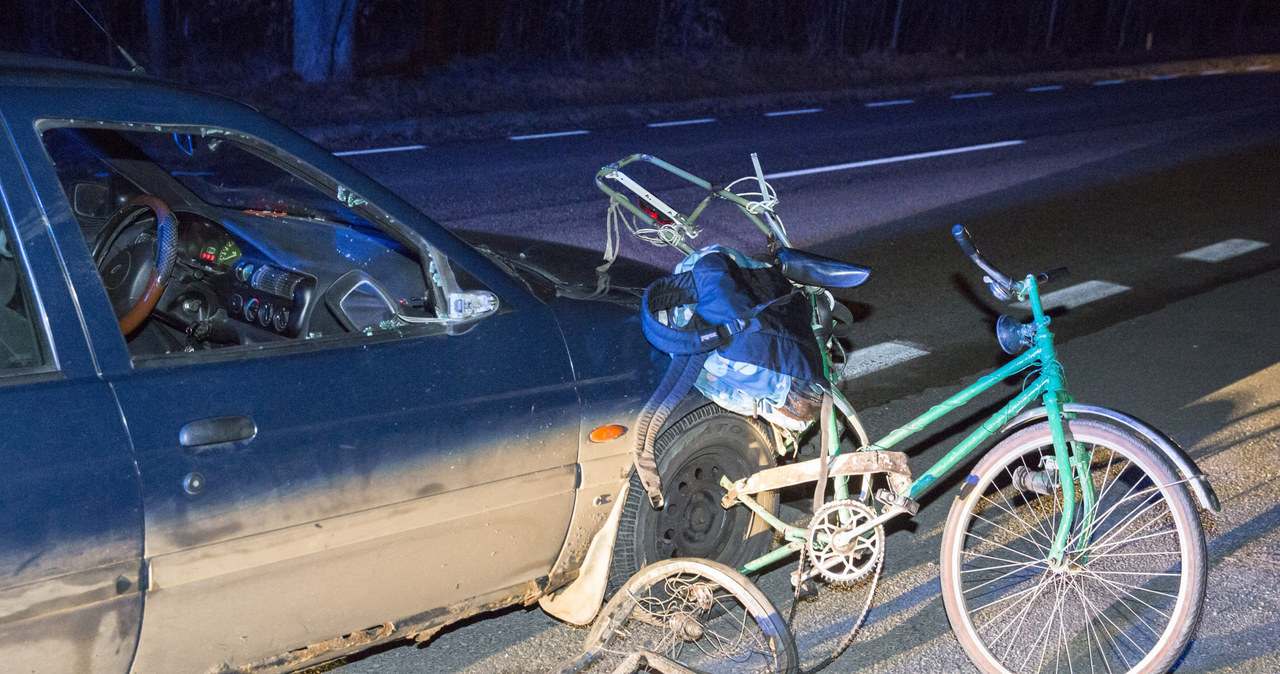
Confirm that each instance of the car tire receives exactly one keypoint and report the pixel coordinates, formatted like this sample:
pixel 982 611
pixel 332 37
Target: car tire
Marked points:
pixel 691 455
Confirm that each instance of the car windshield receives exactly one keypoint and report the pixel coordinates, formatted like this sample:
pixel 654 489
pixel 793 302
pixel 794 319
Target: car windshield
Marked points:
pixel 216 170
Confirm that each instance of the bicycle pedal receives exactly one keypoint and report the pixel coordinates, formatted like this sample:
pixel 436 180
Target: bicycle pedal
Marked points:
pixel 889 498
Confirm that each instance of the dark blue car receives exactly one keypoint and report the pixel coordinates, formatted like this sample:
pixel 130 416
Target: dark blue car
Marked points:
pixel 258 411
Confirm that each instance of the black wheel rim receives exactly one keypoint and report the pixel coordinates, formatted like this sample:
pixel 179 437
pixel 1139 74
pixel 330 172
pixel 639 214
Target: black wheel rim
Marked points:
pixel 693 523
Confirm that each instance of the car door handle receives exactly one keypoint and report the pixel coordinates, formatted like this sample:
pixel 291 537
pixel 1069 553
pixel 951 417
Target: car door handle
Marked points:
pixel 218 432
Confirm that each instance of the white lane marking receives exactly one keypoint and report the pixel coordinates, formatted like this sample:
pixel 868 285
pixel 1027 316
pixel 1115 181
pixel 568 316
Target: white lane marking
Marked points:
pixel 554 134
pixel 683 122
pixel 1051 87
pixel 378 150
pixel 1076 295
pixel 783 113
pixel 978 94
pixel 1223 250
pixel 875 358
pixel 890 160
pixel 1214 72
pixel 1264 66
pixel 1103 83
pixel 881 104
pixel 1163 77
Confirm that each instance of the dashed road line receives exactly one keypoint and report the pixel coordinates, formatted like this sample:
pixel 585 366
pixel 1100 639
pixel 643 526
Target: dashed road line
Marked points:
pixel 554 134
pixel 683 122
pixel 380 150
pixel 1214 72
pixel 1264 66
pixel 1051 87
pixel 875 358
pixel 1103 83
pixel 784 113
pixel 976 94
pixel 882 104
pixel 891 160
pixel 1163 77
pixel 1223 250
pixel 1076 295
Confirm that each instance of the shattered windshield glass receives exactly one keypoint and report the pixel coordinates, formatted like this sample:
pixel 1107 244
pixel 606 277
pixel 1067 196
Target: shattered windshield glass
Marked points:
pixel 217 170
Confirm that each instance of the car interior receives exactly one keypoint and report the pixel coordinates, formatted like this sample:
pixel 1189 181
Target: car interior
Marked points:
pixel 205 240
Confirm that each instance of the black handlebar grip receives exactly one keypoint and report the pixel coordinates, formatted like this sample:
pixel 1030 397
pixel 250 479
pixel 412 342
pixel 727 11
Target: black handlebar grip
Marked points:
pixel 965 241
pixel 1053 275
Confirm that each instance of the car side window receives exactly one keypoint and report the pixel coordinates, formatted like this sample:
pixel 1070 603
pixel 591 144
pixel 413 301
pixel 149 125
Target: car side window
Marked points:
pixel 208 241
pixel 22 344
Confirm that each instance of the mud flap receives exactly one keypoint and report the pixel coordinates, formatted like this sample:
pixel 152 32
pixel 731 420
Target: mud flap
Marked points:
pixel 578 602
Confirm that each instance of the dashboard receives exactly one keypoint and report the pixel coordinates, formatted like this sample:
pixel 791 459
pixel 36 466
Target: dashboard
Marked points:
pixel 226 290
pixel 249 278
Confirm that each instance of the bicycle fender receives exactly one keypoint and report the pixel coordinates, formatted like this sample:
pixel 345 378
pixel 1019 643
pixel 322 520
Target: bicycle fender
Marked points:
pixel 1178 457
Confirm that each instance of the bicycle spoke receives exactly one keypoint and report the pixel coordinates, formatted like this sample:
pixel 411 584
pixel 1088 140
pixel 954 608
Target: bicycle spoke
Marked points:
pixel 1062 631
pixel 1047 625
pixel 1128 519
pixel 1111 584
pixel 997 578
pixel 1101 555
pixel 1099 520
pixel 1015 534
pixel 1005 547
pixel 1022 616
pixel 1120 601
pixel 1139 538
pixel 1102 614
pixel 1003 599
pixel 1092 631
pixel 1009 563
pixel 1048 535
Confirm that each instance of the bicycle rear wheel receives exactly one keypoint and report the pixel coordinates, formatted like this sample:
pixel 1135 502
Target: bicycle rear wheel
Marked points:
pixel 701 614
pixel 1128 595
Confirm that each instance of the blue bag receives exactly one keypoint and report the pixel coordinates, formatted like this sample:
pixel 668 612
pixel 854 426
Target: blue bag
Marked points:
pixel 740 332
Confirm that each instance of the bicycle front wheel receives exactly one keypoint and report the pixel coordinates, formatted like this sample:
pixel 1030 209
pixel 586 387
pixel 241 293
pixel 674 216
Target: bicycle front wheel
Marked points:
pixel 1128 594
pixel 701 614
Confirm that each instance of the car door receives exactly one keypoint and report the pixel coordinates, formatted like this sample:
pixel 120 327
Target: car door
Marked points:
pixel 70 505
pixel 383 480
pixel 296 491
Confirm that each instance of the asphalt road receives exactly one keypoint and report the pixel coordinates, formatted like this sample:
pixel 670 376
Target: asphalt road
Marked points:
pixel 1117 181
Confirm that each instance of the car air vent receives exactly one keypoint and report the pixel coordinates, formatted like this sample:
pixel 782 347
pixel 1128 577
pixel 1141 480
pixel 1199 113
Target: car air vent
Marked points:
pixel 275 281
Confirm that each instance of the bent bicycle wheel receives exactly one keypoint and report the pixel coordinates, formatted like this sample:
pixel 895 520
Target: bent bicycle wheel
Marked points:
pixel 701 614
pixel 1128 595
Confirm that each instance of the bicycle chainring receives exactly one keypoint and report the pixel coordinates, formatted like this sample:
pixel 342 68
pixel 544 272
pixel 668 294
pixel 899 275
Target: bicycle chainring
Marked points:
pixel 837 556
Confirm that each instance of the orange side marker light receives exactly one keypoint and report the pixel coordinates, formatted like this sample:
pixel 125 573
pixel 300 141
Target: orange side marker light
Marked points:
pixel 607 433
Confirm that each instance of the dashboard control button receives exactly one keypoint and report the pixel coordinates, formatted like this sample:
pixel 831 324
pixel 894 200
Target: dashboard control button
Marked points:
pixel 235 304
pixel 244 271
pixel 265 314
pixel 281 321
pixel 251 309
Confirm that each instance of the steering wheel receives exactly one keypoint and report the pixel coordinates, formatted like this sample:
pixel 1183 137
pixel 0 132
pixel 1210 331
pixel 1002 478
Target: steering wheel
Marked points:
pixel 136 275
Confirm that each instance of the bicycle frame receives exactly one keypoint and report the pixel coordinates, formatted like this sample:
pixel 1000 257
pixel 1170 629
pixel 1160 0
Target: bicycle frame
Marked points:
pixel 1048 385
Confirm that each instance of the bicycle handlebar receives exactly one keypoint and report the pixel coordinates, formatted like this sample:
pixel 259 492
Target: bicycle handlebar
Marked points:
pixel 1001 286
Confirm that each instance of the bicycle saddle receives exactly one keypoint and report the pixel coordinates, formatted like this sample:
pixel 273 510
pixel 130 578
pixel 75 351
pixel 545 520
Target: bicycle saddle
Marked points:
pixel 816 270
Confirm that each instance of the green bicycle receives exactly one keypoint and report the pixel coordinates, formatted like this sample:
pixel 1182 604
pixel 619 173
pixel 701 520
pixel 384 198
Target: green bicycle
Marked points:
pixel 1073 545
